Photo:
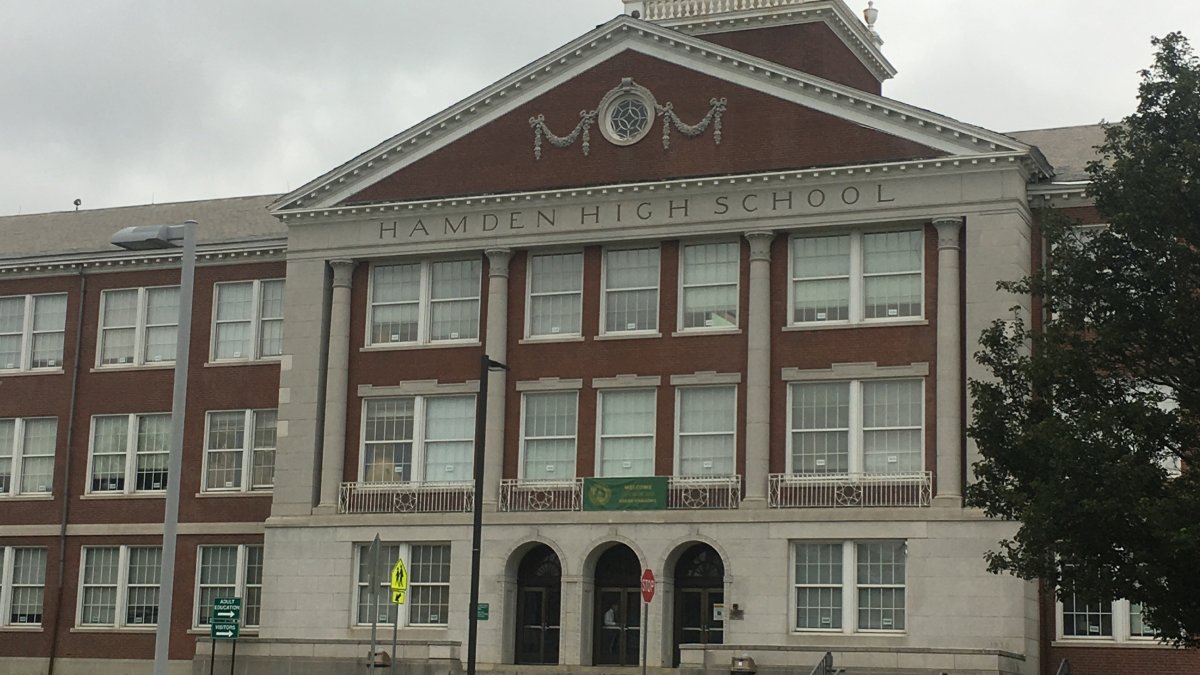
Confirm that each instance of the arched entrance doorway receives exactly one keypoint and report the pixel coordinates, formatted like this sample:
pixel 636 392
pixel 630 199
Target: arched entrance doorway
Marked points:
pixel 539 601
pixel 699 598
pixel 618 613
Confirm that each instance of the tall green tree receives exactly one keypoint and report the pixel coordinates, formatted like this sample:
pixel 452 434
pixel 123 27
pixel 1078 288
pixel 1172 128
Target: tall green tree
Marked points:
pixel 1083 421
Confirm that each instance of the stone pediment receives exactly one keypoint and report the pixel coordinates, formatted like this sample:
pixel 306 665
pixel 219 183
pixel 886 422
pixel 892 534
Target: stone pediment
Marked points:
pixel 633 102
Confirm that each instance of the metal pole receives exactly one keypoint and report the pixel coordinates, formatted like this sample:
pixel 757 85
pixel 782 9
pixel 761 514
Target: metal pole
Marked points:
pixel 645 633
pixel 166 587
pixel 395 628
pixel 373 582
pixel 477 504
pixel 212 657
pixel 233 658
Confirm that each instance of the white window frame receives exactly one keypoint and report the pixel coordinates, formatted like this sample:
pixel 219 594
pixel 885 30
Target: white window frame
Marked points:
pixel 849 587
pixel 8 585
pixel 855 446
pixel 405 552
pixel 857 290
pixel 249 450
pixel 600 436
pixel 1121 627
pixel 529 296
pixel 121 599
pixel 16 471
pixel 574 437
pixel 605 329
pixel 679 389
pixel 242 560
pixel 25 358
pixel 419 439
pixel 425 304
pixel 683 287
pixel 131 438
pixel 256 321
pixel 140 328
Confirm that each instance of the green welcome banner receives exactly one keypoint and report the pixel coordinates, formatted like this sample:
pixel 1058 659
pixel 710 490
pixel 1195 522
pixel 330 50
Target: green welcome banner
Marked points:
pixel 625 494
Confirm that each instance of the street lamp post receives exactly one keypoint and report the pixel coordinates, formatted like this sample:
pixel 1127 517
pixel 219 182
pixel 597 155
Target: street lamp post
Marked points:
pixel 485 367
pixel 142 238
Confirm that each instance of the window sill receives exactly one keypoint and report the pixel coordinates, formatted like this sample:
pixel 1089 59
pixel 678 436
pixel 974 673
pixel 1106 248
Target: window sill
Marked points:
pixel 31 497
pixel 128 368
pixel 274 361
pixel 861 324
pixel 818 632
pixel 550 339
pixel 631 335
pixel 1110 643
pixel 147 628
pixel 212 494
pixel 22 628
pixel 702 332
pixel 29 373
pixel 411 346
pixel 124 495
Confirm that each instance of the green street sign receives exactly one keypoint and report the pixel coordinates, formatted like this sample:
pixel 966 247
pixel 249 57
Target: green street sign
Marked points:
pixel 625 494
pixel 227 610
pixel 224 631
pixel 481 611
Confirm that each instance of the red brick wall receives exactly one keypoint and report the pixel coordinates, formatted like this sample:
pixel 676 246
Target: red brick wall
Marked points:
pixel 809 47
pixel 760 133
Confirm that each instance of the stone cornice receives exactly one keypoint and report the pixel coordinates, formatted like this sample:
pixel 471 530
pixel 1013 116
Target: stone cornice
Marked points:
pixel 1060 195
pixel 501 97
pixel 110 261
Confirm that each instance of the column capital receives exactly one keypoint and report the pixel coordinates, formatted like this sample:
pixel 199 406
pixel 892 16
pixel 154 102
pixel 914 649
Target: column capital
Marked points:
pixel 949 232
pixel 498 259
pixel 760 244
pixel 342 272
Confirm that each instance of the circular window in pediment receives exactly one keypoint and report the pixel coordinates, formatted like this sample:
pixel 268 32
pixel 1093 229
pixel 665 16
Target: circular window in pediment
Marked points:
pixel 627 114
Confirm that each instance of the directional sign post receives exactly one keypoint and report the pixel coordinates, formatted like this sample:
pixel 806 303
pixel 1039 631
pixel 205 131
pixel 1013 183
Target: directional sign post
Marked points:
pixel 399 590
pixel 225 623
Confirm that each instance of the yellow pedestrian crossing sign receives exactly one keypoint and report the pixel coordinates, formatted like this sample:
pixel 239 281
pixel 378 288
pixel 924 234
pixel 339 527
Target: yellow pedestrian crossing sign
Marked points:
pixel 399 582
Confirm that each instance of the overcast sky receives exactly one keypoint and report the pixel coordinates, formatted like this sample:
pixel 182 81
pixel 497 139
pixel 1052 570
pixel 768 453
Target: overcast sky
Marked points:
pixel 121 102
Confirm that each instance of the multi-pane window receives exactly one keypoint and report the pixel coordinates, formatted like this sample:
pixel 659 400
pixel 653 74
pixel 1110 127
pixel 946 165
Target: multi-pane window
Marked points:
pixel 868 598
pixel 1108 620
pixel 857 277
pixel 247 320
pixel 32 329
pixel 119 586
pixel 428 601
pixel 129 453
pixel 706 423
pixel 229 572
pixel 709 280
pixel 138 326
pixel 626 434
pixel 548 434
pixel 871 426
pixel 417 303
pixel 239 452
pixel 27 455
pixel 555 294
pixel 418 438
pixel 22 585
pixel 631 290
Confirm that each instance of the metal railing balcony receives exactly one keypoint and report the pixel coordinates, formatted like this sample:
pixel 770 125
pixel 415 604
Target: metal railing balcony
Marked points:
pixel 704 492
pixel 682 9
pixel 850 490
pixel 409 497
pixel 541 495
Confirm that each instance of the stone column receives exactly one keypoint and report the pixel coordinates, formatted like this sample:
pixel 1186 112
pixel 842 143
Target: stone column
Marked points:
pixel 758 369
pixel 496 347
pixel 337 372
pixel 949 361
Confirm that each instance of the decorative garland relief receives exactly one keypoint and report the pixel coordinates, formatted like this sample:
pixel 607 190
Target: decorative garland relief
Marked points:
pixel 627 88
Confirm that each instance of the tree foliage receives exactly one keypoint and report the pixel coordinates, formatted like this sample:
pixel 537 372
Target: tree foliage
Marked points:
pixel 1082 420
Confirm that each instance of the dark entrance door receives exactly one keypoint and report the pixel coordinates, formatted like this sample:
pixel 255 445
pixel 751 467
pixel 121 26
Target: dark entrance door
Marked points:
pixel 617 637
pixel 539 603
pixel 699 590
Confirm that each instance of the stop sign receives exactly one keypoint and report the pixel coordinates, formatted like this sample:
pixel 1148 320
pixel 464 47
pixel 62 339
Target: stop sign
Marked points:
pixel 648 585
